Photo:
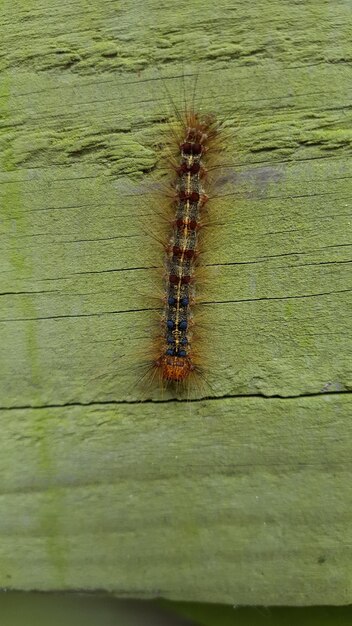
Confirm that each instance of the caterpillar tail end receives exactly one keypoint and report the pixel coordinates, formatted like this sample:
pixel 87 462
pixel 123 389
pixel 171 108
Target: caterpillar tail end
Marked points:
pixel 175 369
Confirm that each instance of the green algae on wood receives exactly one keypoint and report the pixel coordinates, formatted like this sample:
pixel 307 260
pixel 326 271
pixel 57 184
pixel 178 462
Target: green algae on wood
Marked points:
pixel 235 498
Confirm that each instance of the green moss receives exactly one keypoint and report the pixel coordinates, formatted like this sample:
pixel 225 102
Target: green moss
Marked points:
pixel 234 498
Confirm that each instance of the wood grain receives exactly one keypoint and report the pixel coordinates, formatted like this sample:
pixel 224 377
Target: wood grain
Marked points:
pixel 241 497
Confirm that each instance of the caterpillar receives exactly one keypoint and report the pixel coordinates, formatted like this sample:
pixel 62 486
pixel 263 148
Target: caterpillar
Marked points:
pixel 194 144
pixel 177 209
pixel 177 360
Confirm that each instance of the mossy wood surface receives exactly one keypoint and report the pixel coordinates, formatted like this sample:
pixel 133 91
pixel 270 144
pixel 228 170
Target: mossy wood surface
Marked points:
pixel 244 496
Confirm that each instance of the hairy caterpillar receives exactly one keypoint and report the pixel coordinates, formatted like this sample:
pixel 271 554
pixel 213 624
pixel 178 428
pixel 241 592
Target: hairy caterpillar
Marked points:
pixel 194 144
pixel 173 213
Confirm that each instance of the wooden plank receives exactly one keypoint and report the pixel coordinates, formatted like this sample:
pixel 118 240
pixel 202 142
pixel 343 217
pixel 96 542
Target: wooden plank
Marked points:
pixel 238 500
pixel 243 497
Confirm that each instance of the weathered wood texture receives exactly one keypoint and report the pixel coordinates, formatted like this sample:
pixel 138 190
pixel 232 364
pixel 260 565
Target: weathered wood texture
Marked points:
pixel 243 497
